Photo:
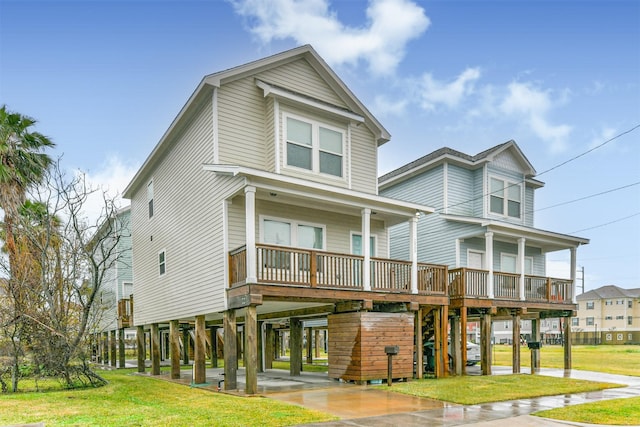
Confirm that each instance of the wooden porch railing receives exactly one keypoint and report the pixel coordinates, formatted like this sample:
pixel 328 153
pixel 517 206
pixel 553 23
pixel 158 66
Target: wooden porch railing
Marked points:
pixel 467 282
pixel 304 267
pixel 125 312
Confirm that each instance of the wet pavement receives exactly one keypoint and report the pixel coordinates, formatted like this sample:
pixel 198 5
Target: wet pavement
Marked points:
pixel 361 405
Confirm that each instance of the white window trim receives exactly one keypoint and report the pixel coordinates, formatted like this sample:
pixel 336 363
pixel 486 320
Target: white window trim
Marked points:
pixel 505 202
pixel 359 233
pixel 151 183
pixel 165 262
pixel 128 282
pixel 484 258
pixel 294 230
pixel 315 146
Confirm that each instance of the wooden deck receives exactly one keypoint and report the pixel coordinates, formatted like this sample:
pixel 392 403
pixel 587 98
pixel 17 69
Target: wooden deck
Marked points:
pixel 125 313
pixel 302 268
pixel 284 266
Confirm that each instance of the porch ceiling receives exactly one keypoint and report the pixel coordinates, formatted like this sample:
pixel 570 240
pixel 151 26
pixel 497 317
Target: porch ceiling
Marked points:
pixel 548 241
pixel 300 192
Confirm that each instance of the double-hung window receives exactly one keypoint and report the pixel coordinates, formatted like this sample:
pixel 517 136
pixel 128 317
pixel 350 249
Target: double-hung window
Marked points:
pixel 314 146
pixel 505 198
pixel 283 233
pixel 162 263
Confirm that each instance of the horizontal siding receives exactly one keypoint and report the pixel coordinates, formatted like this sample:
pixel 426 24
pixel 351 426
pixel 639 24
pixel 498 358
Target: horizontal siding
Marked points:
pixel 529 206
pixel 298 76
pixel 241 123
pixel 181 227
pixel 364 160
pixel 479 197
pixel 426 188
pixel 460 190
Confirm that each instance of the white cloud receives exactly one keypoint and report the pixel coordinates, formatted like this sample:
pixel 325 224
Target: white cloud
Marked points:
pixel 450 94
pixel 384 106
pixel 111 179
pixel 532 104
pixel 391 24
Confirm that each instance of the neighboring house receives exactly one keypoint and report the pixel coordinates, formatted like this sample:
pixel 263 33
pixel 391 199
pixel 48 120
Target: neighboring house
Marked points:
pixel 608 315
pixel 483 230
pixel 113 310
pixel 259 206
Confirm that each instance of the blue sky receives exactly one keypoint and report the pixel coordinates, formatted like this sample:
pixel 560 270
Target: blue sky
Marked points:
pixel 104 79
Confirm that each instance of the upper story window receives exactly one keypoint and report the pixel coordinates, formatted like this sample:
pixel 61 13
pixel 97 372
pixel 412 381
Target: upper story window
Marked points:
pixel 150 198
pixel 505 198
pixel 608 302
pixel 630 304
pixel 314 146
pixel 589 321
pixel 575 321
pixel 590 305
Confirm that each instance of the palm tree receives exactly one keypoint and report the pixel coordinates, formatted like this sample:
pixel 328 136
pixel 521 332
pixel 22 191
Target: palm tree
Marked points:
pixel 22 165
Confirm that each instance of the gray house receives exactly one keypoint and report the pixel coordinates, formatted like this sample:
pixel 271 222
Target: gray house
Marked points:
pixel 483 230
pixel 115 308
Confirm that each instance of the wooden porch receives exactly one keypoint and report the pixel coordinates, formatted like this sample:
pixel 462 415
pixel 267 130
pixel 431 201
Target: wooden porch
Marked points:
pixel 125 312
pixel 472 283
pixel 285 266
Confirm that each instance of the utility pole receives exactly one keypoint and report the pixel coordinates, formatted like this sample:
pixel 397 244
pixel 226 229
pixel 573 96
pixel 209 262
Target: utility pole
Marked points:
pixel 582 279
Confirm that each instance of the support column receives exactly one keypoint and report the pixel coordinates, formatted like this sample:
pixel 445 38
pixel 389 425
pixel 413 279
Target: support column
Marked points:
pixel 535 354
pixel 251 350
pixel 200 351
pixel 213 335
pixel 260 346
pixel 458 262
pixel 295 344
pixel 141 349
pixel 270 346
pixel 174 348
pixel 485 343
pixel 521 255
pixel 105 348
pixel 413 241
pixel 573 274
pixel 456 345
pixel 309 346
pixel 463 336
pixel 250 232
pixel 444 322
pixel 316 338
pixel 155 349
pixel 488 239
pixel 515 347
pixel 230 351
pixel 437 344
pixel 114 348
pixel 186 339
pixel 419 350
pixel 121 352
pixel 366 249
pixel 567 343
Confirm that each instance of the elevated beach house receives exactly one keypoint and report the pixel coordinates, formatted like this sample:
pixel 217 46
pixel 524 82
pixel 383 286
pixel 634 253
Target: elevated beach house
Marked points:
pixel 483 231
pixel 259 207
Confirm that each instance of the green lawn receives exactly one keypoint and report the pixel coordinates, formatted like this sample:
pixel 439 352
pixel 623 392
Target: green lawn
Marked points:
pixel 133 400
pixel 624 412
pixel 612 359
pixel 472 390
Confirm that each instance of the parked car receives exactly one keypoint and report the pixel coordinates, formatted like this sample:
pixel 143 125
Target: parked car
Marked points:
pixel 473 355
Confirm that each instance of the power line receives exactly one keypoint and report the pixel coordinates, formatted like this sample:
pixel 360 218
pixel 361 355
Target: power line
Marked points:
pixel 585 197
pixel 590 150
pixel 542 173
pixel 606 223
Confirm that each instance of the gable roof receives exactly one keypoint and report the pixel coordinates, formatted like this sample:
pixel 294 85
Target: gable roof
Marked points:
pixel 449 154
pixel 229 75
pixel 609 292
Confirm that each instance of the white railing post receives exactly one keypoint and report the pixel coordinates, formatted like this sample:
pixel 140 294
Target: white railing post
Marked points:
pixel 366 249
pixel 521 252
pixel 488 236
pixel 250 231
pixel 573 275
pixel 413 238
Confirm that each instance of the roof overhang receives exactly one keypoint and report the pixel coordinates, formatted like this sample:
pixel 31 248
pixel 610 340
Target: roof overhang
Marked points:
pixel 307 193
pixel 548 241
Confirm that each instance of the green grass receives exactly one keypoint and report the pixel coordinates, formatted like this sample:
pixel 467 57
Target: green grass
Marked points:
pixel 624 412
pixel 612 359
pixel 133 400
pixel 471 390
